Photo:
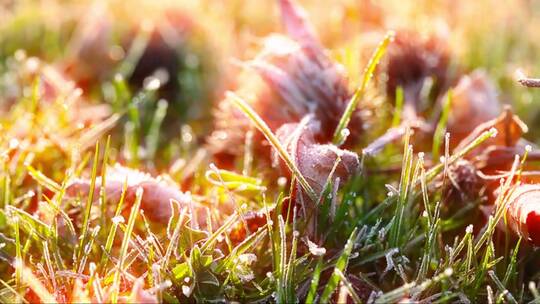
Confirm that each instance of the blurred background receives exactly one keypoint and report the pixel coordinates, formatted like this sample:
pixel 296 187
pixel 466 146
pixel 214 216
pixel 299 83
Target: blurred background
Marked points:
pixel 188 52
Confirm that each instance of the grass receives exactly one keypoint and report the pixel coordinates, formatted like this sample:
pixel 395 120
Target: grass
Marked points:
pixel 339 137
pixel 393 232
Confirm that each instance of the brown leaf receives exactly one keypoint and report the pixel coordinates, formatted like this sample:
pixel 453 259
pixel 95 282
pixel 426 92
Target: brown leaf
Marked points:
pixel 316 161
pixel 464 182
pixel 474 101
pixel 294 18
pixel 291 77
pixel 509 131
pixel 158 192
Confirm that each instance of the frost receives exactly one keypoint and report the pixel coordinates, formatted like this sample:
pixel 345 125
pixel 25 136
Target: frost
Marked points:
pixel 117 220
pixel 152 83
pixel 315 250
pixel 389 259
pixel 247 258
pixel 186 290
pixel 282 181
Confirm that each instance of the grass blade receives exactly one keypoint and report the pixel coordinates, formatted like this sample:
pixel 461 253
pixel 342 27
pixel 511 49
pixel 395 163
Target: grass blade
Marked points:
pixel 263 127
pixel 34 283
pixel 441 125
pixel 88 207
pixel 368 74
pixel 125 244
pixel 341 265
pixel 349 286
pixel 152 138
pixel 310 298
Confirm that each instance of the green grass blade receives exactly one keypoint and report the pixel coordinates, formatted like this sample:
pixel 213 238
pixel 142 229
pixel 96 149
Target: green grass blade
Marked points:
pixel 174 240
pixel 249 242
pixel 433 172
pixel 339 137
pixel 512 265
pixel 125 244
pixel 310 298
pixel 114 227
pixel 103 192
pixel 263 127
pixel 43 180
pixel 405 181
pixel 221 230
pixel 502 288
pixel 412 288
pixel 441 125
pixel 399 107
pixel 18 254
pixel 341 265
pixel 88 207
pixel 152 138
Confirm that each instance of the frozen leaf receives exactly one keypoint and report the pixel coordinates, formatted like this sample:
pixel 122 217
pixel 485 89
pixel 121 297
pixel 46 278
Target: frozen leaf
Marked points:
pixel 158 192
pixel 247 258
pixel 488 162
pixel 497 153
pixel 252 221
pixel 315 250
pixel 291 77
pixel 464 181
pixel 316 161
pixel 295 21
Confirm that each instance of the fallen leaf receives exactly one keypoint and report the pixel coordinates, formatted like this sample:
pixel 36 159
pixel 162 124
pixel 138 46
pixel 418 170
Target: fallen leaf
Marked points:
pixel 509 131
pixel 291 77
pixel 158 192
pixel 474 101
pixel 316 161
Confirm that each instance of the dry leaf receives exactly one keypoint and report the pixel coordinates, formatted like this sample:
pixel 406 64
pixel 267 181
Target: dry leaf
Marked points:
pixel 157 191
pixel 497 153
pixel 463 180
pixel 318 164
pixel 252 220
pixel 509 131
pixel 474 101
pixel 316 161
pixel 294 77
